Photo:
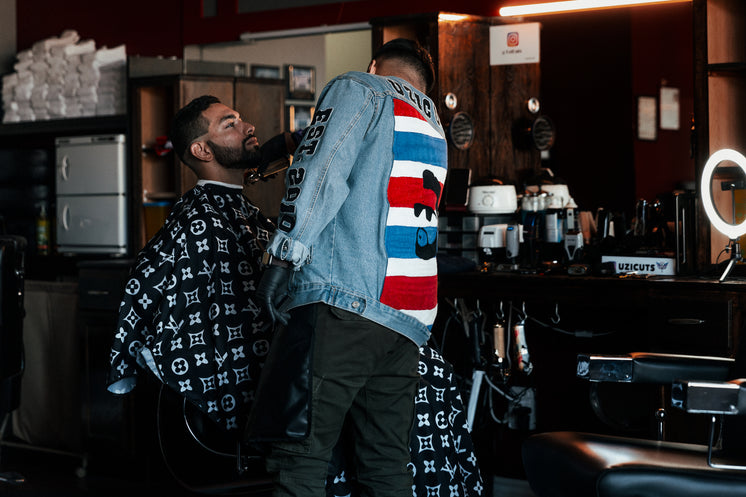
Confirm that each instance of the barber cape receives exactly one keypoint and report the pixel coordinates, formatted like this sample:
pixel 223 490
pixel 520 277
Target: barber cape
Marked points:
pixel 189 314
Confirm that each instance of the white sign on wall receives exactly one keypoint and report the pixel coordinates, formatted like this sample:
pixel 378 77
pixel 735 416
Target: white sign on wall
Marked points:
pixel 514 44
pixel 669 108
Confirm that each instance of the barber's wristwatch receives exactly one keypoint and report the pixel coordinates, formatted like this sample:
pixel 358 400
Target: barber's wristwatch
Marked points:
pixel 270 260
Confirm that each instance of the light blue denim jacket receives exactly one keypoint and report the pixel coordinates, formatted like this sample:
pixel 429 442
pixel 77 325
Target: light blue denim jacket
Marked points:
pixel 354 176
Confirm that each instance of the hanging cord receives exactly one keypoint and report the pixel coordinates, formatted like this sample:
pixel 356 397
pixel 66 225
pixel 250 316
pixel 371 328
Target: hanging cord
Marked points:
pixel 453 315
pixel 476 336
pixel 513 400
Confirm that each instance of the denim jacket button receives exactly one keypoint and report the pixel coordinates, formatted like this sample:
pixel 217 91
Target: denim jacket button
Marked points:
pixel 355 304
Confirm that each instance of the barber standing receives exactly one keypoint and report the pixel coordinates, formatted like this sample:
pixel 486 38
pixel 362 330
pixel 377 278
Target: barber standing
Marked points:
pixel 355 251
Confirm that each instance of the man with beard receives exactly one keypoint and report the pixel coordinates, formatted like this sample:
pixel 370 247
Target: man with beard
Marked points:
pixel 189 314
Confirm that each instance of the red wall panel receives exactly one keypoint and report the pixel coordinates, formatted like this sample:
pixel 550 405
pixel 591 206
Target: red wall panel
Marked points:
pixel 146 27
pixel 163 27
pixel 228 26
pixel 662 56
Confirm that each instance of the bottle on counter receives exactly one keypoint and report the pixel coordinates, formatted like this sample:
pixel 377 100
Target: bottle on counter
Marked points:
pixel 43 231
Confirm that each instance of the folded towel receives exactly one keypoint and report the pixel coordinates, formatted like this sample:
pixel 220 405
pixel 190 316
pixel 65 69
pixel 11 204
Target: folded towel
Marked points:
pixel 86 91
pixel 68 37
pixel 86 46
pixel 22 92
pixel 25 55
pixel 25 77
pixel 11 117
pixel 110 55
pixel 22 65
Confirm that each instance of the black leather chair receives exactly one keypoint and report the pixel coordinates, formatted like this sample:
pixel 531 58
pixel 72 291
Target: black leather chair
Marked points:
pixel 201 456
pixel 563 464
pixel 12 258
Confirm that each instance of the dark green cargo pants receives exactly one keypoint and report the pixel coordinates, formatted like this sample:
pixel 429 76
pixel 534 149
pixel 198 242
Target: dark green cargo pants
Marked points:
pixel 367 374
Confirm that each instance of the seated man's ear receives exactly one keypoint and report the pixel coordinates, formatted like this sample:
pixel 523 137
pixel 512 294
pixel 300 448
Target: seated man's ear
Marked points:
pixel 372 67
pixel 201 151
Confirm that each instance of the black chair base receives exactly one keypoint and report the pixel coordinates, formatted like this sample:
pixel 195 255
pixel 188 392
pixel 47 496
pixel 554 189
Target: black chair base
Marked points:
pixel 572 464
pixel 203 458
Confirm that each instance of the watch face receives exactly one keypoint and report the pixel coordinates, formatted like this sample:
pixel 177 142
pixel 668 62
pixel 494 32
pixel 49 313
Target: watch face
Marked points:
pixel 266 259
pixel 461 130
pixel 542 133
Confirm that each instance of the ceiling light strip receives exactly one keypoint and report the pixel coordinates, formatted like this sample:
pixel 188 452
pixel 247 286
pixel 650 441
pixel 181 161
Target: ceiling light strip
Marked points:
pixel 574 5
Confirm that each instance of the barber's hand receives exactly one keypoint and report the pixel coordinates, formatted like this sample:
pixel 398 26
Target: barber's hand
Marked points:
pixel 272 290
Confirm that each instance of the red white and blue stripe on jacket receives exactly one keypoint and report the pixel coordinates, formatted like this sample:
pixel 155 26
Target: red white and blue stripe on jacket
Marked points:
pixel 414 191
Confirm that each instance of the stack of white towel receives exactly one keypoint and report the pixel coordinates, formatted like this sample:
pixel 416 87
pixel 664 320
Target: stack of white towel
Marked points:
pixel 62 77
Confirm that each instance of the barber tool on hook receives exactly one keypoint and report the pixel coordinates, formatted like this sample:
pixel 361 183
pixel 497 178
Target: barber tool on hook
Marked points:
pixel 521 346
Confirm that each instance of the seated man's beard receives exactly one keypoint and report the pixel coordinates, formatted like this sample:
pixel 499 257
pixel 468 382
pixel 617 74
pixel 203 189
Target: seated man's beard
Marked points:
pixel 236 158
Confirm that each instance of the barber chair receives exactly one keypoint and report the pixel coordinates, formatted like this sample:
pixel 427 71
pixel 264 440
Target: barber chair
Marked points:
pixel 563 464
pixel 201 456
pixel 11 332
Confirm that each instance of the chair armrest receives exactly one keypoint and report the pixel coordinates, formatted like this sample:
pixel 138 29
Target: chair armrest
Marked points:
pixel 711 397
pixel 645 367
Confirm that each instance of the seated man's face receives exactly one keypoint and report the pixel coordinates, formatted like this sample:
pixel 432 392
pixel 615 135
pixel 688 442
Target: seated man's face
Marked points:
pixel 232 140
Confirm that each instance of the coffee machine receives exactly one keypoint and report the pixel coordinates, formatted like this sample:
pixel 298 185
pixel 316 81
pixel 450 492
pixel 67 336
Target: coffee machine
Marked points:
pixel 499 245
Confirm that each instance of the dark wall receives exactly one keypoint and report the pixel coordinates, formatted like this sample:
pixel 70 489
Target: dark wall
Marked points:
pixel 148 28
pixel 662 47
pixel 593 67
pixel 586 90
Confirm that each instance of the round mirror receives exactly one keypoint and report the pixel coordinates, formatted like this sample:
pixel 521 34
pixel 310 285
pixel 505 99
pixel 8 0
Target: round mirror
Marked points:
pixel 542 133
pixel 461 130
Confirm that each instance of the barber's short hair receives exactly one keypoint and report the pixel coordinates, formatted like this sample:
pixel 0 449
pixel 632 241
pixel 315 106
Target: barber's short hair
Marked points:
pixel 411 53
pixel 189 124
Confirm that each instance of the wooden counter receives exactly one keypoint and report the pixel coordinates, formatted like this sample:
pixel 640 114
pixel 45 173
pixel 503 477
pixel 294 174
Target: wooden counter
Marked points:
pixel 672 314
pixel 566 315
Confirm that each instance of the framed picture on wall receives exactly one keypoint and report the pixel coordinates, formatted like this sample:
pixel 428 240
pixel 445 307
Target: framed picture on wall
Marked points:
pixel 647 118
pixel 264 71
pixel 298 116
pixel 301 81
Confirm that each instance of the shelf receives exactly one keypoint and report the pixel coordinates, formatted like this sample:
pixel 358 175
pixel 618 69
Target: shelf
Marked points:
pixel 94 124
pixel 727 67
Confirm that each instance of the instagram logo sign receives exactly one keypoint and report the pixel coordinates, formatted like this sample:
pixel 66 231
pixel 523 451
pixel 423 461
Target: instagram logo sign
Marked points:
pixel 513 39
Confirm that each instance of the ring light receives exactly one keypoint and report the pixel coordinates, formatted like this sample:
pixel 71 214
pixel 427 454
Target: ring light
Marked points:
pixel 732 231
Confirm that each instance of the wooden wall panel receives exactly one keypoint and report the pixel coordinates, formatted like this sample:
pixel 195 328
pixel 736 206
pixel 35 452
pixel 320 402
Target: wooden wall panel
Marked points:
pixel 463 71
pixel 262 103
pixel 511 88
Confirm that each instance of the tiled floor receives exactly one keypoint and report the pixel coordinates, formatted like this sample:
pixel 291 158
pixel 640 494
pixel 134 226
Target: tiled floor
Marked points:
pixel 49 474
pixel 510 487
pixel 57 475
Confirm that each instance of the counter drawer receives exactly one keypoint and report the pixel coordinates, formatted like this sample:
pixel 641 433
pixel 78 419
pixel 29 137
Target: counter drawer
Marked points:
pixel 691 326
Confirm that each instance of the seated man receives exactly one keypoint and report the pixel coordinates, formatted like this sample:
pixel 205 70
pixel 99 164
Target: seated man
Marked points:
pixel 188 315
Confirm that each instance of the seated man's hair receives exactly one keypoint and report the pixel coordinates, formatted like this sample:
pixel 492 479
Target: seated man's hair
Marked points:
pixel 411 53
pixel 189 124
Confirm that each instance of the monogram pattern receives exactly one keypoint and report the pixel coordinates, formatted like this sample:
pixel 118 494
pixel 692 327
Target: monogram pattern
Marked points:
pixel 189 314
pixel 443 460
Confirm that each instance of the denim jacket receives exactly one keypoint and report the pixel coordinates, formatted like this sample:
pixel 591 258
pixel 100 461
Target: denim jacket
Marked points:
pixel 359 217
